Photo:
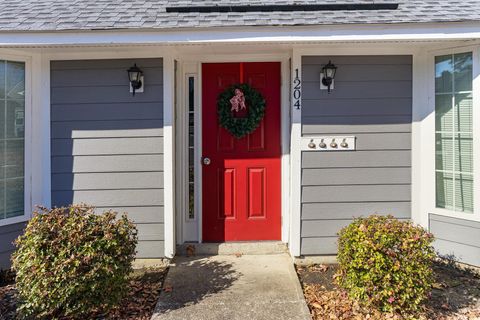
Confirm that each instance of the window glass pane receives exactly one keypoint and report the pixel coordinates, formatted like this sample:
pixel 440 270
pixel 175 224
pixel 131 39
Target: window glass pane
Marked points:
pixel 444 190
pixel 2 79
pixel 15 119
pixel 444 112
pixel 463 153
pixel 191 145
pixel 464 193
pixel 463 112
pixel 14 197
pixel 12 144
pixel 454 132
pixel 444 151
pixel 443 74
pixel 463 72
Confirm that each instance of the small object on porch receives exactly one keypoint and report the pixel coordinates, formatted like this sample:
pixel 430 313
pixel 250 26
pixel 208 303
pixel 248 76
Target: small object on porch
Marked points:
pixel 311 145
pixel 135 76
pixel 190 250
pixel 328 75
pixel 238 101
pixel 344 143
pixel 333 144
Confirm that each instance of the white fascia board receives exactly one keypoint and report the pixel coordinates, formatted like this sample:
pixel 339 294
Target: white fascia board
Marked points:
pixel 294 34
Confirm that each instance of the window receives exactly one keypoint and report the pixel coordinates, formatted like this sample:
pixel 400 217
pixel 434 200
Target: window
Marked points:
pixel 12 138
pixel 454 132
pixel 191 148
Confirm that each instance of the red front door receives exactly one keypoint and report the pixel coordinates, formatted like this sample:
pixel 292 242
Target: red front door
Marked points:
pixel 242 183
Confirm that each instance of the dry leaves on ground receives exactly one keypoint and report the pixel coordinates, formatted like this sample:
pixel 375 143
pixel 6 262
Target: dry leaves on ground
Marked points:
pixel 455 296
pixel 138 304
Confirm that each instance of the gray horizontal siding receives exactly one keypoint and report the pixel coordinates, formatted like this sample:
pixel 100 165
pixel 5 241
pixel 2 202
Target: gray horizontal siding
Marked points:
pixel 107 180
pixel 372 101
pixel 356 193
pixel 116 64
pixel 319 246
pixel 104 198
pixel 363 108
pixel 151 249
pixel 457 237
pixel 354 176
pixel 360 90
pixel 139 214
pixel 107 145
pixel 357 159
pixel 8 234
pixel 102 94
pixel 107 163
pixel 348 210
pixel 109 129
pixel 106 111
pixel 356 124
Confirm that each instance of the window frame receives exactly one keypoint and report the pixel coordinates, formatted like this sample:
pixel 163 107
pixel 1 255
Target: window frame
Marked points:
pixel 27 187
pixel 431 183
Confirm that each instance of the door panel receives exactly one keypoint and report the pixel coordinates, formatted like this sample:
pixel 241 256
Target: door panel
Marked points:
pixel 242 183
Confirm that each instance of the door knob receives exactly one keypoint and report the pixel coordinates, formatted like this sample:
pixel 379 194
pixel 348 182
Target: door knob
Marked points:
pixel 206 161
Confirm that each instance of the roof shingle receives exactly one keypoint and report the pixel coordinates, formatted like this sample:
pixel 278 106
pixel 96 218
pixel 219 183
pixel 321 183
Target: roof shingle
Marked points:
pixel 56 15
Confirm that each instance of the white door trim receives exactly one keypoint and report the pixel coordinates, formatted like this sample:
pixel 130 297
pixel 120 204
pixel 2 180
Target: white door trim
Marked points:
pixel 169 153
pixel 198 60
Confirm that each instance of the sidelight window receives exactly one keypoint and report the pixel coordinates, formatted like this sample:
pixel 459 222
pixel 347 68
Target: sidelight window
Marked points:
pixel 454 132
pixel 12 138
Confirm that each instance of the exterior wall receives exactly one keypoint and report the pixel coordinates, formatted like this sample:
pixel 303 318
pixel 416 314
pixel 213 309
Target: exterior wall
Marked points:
pixel 372 100
pixel 8 234
pixel 456 238
pixel 107 145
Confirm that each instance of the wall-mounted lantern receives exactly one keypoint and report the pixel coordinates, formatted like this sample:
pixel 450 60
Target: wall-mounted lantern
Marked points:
pixel 135 77
pixel 328 75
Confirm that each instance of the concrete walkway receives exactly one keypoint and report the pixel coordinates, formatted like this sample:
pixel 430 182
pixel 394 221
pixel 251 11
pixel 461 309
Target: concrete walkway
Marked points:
pixel 250 287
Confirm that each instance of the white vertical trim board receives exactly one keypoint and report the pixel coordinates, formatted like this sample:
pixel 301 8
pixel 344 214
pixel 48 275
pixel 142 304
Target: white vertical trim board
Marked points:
pixel 420 113
pixel 44 132
pixel 169 153
pixel 476 131
pixel 285 137
pixel 295 158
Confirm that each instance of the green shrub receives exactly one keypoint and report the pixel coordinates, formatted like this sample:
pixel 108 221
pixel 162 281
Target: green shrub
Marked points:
pixel 70 262
pixel 386 263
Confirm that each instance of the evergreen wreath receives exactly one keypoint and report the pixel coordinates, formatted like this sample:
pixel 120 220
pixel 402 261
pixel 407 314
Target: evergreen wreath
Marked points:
pixel 240 127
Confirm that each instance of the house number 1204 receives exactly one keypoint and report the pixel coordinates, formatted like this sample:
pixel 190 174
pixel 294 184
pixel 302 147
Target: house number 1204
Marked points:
pixel 297 92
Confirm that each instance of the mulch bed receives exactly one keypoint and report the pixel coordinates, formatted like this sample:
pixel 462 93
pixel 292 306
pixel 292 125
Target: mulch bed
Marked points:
pixel 139 304
pixel 455 295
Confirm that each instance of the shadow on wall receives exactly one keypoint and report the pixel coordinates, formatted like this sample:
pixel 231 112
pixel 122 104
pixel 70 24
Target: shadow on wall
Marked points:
pixel 211 277
pixel 103 137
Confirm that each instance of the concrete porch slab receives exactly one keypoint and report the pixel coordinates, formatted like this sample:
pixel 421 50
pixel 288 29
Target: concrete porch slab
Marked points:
pixel 229 248
pixel 252 287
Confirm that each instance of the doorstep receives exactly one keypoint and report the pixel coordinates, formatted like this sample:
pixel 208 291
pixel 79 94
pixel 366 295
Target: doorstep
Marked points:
pixel 234 287
pixel 233 248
